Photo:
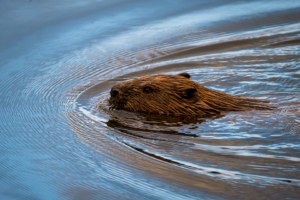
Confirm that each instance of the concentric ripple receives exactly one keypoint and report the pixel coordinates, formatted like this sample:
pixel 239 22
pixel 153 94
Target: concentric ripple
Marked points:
pixel 59 140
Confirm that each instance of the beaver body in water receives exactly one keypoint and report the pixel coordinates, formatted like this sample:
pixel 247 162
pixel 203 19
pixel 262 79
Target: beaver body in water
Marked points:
pixel 176 95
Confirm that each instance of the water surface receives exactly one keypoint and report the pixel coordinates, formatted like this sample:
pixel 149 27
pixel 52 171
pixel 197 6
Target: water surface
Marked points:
pixel 59 140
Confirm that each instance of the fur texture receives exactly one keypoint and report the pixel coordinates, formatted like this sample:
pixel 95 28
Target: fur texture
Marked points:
pixel 176 95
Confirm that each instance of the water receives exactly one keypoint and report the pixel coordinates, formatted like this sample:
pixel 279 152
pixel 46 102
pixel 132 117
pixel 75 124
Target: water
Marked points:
pixel 59 140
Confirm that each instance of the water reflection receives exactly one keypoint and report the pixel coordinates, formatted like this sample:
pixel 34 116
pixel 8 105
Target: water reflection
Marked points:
pixel 59 140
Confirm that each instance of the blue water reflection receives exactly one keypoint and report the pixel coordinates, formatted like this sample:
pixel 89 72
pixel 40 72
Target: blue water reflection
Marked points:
pixel 59 59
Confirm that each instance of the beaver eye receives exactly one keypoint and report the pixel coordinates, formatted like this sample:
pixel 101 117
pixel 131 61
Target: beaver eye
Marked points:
pixel 147 89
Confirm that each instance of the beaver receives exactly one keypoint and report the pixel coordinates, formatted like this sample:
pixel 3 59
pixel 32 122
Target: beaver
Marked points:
pixel 176 95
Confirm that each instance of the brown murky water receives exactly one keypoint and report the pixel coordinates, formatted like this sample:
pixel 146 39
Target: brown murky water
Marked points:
pixel 58 62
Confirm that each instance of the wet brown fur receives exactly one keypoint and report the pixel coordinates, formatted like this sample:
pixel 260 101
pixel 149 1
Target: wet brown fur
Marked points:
pixel 177 95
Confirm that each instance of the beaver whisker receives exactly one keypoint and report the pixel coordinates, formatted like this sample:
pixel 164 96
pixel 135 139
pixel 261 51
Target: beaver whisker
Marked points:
pixel 112 107
pixel 130 106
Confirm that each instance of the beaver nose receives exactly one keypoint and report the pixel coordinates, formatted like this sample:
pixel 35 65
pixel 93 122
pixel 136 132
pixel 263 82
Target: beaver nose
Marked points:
pixel 114 92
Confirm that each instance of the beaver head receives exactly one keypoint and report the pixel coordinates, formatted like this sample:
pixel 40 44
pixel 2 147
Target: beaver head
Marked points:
pixel 175 95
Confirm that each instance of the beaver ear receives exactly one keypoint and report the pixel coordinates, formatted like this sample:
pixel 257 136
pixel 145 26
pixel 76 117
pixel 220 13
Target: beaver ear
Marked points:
pixel 190 94
pixel 184 74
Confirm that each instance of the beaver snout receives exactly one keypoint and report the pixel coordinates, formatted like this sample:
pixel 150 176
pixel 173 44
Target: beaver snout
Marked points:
pixel 117 99
pixel 114 92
